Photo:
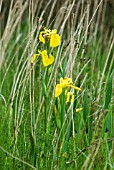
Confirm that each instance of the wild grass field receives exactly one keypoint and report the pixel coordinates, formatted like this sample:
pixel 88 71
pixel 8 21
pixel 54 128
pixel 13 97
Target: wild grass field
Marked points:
pixel 56 85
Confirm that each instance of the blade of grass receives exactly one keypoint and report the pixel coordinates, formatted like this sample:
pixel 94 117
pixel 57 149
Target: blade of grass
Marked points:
pixel 85 109
pixel 108 119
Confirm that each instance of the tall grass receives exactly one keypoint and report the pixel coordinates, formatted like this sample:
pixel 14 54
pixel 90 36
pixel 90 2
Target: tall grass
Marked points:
pixel 33 134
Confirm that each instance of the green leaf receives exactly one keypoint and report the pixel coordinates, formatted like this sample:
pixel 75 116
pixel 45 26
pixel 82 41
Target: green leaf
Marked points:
pixel 108 118
pixel 32 144
pixel 90 127
pixel 54 153
pixel 68 132
pixel 108 92
pixel 85 109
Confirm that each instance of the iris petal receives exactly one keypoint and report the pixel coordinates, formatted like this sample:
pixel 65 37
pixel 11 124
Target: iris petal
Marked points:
pixel 58 90
pixel 54 40
pixel 33 58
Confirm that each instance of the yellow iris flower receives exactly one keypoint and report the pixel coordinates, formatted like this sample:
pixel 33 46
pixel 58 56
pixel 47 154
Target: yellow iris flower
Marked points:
pixel 64 83
pixel 51 35
pixel 47 60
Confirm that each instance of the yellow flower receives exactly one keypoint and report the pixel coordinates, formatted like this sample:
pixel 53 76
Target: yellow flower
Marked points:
pixel 70 95
pixel 79 109
pixel 58 90
pixel 64 83
pixel 54 40
pixel 33 58
pixel 51 35
pixel 67 82
pixel 47 60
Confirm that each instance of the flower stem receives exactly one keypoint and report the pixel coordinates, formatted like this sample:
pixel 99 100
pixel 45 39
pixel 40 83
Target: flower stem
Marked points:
pixel 62 112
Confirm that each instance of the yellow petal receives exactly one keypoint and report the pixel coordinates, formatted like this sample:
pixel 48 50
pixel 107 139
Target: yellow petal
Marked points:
pixel 45 63
pixel 79 109
pixel 33 58
pixel 41 38
pixel 51 59
pixel 74 87
pixel 54 40
pixel 45 60
pixel 58 90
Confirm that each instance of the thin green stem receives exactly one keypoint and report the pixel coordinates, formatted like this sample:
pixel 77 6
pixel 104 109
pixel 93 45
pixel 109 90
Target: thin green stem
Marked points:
pixel 62 113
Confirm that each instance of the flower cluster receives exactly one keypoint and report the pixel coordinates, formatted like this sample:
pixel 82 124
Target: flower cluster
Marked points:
pixel 65 83
pixel 50 37
pixel 53 38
